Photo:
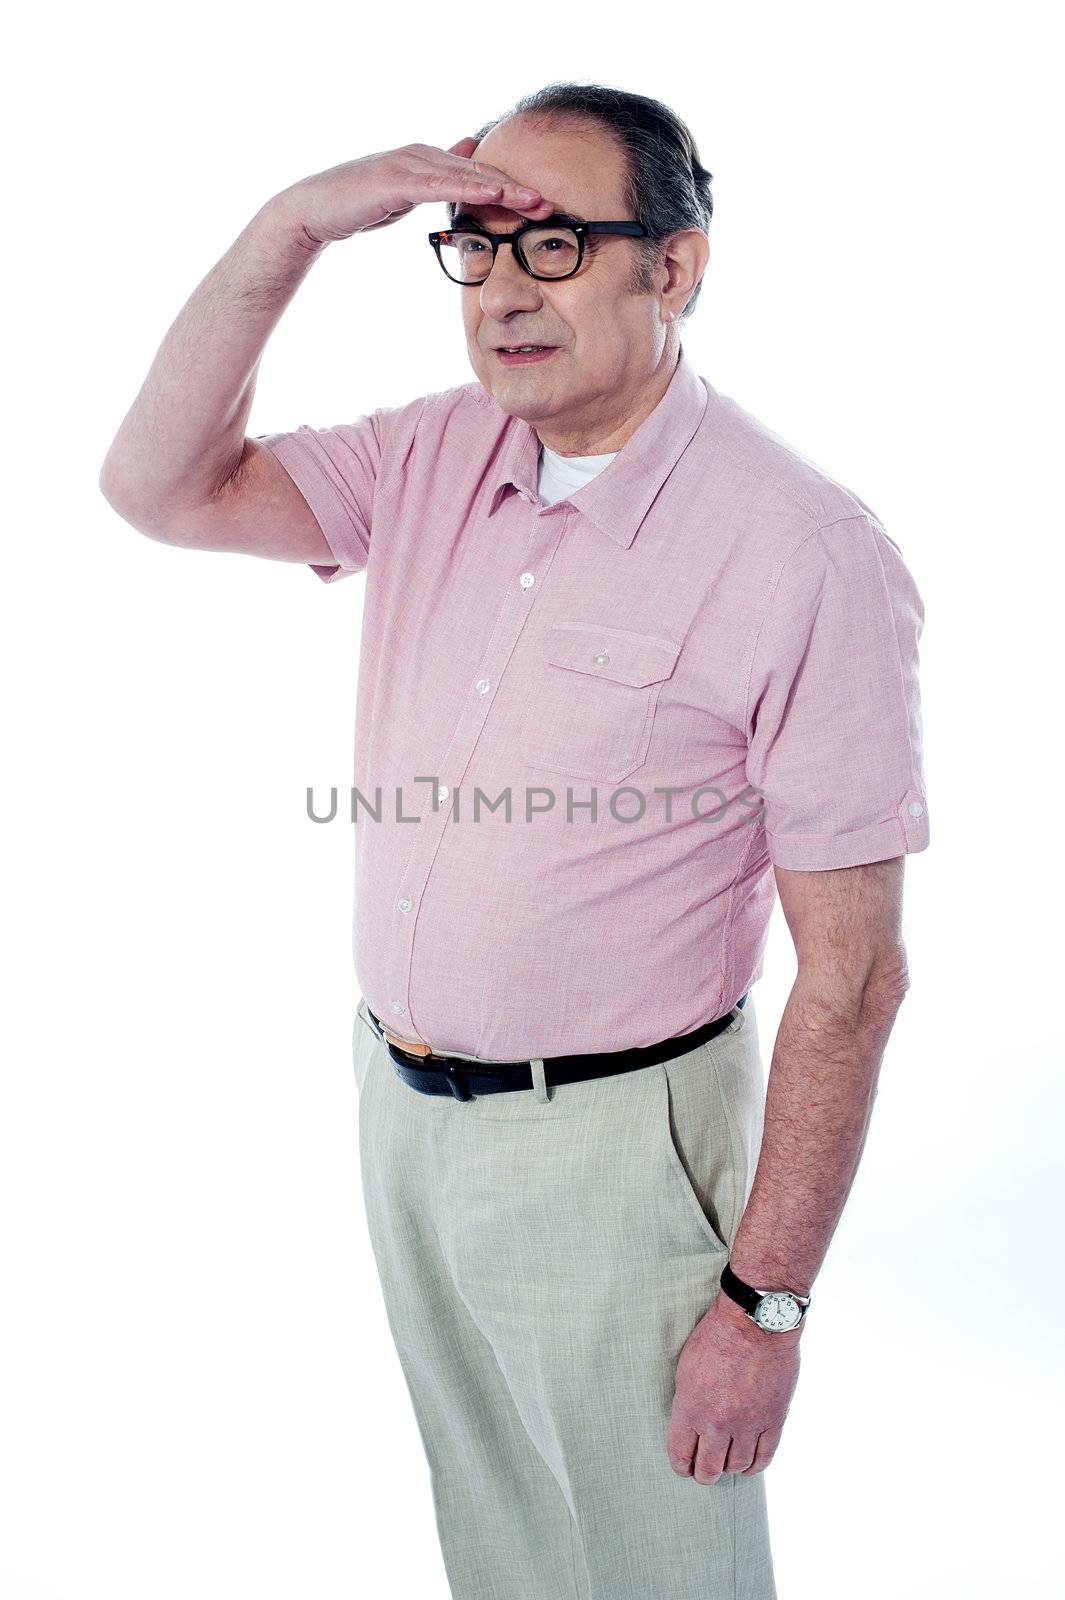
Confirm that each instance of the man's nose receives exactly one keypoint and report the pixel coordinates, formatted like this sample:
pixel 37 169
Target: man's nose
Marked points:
pixel 508 287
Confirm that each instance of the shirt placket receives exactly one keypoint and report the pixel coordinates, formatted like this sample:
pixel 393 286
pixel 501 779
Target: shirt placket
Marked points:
pixel 548 529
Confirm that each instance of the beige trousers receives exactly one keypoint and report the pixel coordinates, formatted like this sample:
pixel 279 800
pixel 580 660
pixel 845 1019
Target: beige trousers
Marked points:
pixel 543 1258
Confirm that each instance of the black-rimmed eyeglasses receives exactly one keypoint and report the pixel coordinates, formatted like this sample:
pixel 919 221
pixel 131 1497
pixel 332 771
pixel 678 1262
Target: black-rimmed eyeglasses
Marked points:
pixel 546 249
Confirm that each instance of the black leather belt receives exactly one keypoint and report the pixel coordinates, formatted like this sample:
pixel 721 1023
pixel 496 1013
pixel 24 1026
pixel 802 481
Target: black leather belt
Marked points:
pixel 430 1074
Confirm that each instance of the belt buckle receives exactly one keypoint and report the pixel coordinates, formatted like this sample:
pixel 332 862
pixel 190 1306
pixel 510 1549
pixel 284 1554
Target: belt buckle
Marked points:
pixel 451 1072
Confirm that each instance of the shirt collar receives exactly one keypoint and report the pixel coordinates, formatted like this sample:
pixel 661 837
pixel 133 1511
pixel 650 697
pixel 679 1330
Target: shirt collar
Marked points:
pixel 617 499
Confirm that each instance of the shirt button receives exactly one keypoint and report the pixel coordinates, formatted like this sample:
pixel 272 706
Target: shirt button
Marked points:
pixel 916 808
pixel 398 1007
pixel 601 659
pixel 482 686
pixel 526 580
pixel 405 902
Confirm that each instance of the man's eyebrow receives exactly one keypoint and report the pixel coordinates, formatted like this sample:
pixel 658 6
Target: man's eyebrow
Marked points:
pixel 466 219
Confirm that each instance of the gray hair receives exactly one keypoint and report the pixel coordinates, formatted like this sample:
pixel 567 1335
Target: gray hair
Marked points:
pixel 667 187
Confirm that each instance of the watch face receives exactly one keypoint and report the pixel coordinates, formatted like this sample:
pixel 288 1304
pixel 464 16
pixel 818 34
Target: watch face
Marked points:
pixel 778 1312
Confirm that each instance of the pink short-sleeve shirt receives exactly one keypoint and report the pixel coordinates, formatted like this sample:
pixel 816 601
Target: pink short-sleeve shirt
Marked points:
pixel 587 732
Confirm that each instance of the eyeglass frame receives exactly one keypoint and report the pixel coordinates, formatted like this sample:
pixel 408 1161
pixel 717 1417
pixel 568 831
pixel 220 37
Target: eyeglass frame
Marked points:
pixel 625 227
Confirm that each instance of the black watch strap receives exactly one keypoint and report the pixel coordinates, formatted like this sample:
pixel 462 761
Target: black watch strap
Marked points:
pixel 739 1291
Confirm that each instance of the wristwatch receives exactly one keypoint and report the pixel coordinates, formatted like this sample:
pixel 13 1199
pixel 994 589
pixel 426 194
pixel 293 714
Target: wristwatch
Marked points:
pixel 774 1310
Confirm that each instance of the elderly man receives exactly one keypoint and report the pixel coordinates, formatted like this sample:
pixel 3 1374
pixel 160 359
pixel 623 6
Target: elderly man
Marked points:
pixel 630 665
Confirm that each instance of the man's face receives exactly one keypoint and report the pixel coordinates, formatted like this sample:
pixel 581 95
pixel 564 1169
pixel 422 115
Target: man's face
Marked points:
pixel 609 341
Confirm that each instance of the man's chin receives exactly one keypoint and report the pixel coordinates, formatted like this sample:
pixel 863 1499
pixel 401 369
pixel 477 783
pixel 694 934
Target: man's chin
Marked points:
pixel 518 397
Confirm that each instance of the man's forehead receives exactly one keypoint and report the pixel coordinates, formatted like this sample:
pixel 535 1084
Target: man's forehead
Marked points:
pixel 498 219
pixel 574 165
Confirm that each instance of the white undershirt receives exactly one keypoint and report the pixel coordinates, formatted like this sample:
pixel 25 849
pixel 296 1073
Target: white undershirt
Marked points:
pixel 559 476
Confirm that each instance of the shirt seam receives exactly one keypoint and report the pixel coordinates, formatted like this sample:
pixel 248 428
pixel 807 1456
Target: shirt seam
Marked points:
pixel 774 481
pixel 848 516
pixel 321 480
pixel 388 466
pixel 892 821
pixel 727 967
pixel 898 653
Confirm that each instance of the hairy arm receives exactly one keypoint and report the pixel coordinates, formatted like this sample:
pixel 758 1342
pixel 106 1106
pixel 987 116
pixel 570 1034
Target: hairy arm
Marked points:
pixel 851 979
pixel 183 438
pixel 180 468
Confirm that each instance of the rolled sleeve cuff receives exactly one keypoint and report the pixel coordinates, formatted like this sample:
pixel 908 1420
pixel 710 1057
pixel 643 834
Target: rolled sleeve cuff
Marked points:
pixel 902 834
pixel 329 510
pixel 330 574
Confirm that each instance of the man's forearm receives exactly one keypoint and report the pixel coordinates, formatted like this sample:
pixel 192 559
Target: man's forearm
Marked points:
pixel 819 1098
pixel 184 434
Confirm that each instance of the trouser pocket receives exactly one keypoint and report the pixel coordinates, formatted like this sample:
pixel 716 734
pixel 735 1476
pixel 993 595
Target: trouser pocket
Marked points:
pixel 704 1163
pixel 363 1039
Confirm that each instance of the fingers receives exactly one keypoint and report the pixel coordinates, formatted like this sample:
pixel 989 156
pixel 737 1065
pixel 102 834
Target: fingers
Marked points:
pixel 767 1448
pixel 705 1456
pixel 486 186
pixel 710 1457
pixel 480 183
pixel 716 1454
pixel 681 1447
pixel 741 1454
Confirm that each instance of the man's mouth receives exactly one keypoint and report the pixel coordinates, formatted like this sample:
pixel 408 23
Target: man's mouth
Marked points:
pixel 511 355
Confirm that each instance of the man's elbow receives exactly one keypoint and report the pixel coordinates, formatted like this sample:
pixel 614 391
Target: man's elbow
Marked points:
pixel 850 991
pixel 887 984
pixel 115 492
pixel 106 483
pixel 136 513
pixel 115 484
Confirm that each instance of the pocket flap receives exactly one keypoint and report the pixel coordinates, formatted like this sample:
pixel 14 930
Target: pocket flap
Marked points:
pixel 633 658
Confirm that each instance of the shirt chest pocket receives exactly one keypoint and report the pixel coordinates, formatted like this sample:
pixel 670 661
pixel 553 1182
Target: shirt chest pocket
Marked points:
pixel 592 703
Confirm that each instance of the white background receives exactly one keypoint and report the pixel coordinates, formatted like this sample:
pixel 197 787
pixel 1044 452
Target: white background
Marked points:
pixel 198 1390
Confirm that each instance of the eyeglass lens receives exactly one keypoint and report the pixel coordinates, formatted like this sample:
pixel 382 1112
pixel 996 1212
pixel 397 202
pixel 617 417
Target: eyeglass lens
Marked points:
pixel 547 252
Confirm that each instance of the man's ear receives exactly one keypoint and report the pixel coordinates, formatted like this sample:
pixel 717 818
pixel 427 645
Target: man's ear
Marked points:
pixel 684 259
